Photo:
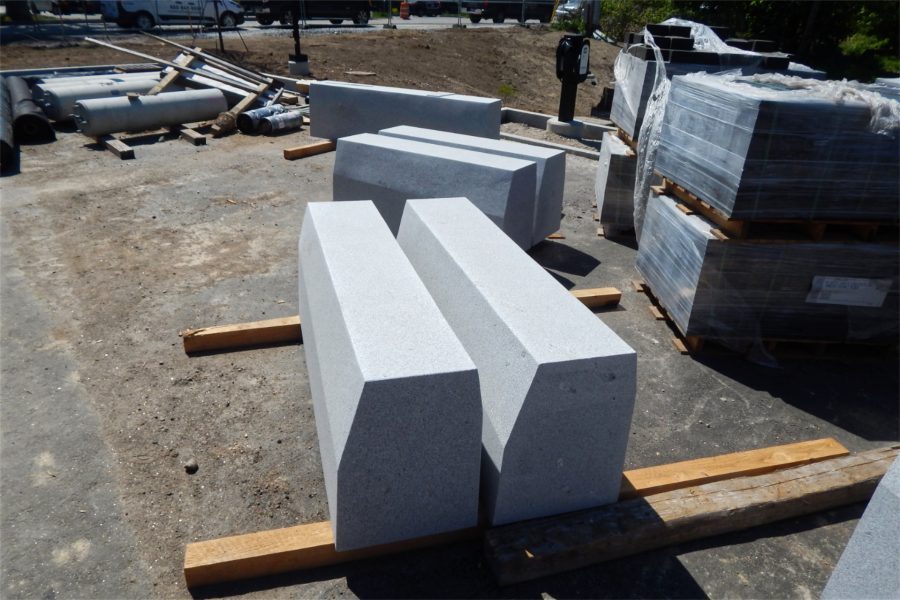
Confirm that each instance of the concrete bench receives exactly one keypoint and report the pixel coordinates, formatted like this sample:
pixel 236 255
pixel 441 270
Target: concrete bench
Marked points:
pixel 388 170
pixel 557 385
pixel 339 109
pixel 395 395
pixel 551 169
pixel 614 185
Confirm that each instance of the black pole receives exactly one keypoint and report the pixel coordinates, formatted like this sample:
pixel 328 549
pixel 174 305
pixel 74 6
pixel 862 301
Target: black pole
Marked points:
pixel 219 27
pixel 567 96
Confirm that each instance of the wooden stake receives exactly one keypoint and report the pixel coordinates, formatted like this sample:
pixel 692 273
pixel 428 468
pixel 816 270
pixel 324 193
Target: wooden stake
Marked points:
pixel 312 545
pixel 309 149
pixel 533 549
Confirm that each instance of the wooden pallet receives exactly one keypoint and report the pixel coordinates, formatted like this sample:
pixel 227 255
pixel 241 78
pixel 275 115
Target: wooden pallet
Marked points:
pixel 286 330
pixel 780 230
pixel 784 347
pixel 121 145
pixel 312 545
pixel 631 143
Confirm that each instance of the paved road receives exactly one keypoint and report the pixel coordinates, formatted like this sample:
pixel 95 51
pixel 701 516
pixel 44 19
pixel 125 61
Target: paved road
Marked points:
pixel 79 25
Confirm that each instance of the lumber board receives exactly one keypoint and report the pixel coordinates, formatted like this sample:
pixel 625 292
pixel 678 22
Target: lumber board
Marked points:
pixel 664 478
pixel 117 147
pixel 541 547
pixel 312 545
pixel 287 329
pixel 556 236
pixel 191 135
pixel 598 297
pixel 309 149
pixel 242 335
pixel 185 60
pixel 287 549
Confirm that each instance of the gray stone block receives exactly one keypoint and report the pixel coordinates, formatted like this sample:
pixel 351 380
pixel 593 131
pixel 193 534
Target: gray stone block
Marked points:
pixel 614 186
pixel 557 385
pixel 395 394
pixel 551 169
pixel 339 109
pixel 389 170
pixel 869 568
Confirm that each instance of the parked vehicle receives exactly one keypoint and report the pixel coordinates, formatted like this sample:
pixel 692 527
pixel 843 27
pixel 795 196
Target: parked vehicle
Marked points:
pixel 424 8
pixel 570 9
pixel 65 7
pixel 147 14
pixel 500 10
pixel 336 11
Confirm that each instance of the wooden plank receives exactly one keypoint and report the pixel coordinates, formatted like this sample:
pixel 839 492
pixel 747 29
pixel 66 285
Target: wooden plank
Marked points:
pixel 185 60
pixel 309 149
pixel 664 478
pixel 597 297
pixel 533 549
pixel 556 236
pixel 639 286
pixel 287 329
pixel 242 335
pixel 312 545
pixel 600 231
pixel 190 135
pixel 117 147
pixel 679 345
pixel 656 313
pixel 288 549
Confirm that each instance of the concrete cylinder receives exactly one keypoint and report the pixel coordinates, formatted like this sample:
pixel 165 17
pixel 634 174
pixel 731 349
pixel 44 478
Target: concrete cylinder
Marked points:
pixel 58 102
pixel 101 116
pixel 50 82
pixel 281 122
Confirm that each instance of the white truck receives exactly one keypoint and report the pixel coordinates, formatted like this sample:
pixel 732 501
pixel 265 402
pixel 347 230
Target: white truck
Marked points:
pixel 147 14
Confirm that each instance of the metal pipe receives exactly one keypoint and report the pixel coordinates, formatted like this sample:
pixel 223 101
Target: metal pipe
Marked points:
pixel 59 102
pixel 101 116
pixel 227 81
pixel 30 124
pixel 7 138
pixel 213 60
pixel 249 121
pixel 281 122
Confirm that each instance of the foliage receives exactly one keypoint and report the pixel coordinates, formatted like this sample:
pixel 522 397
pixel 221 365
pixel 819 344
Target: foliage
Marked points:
pixel 618 17
pixel 570 24
pixel 506 91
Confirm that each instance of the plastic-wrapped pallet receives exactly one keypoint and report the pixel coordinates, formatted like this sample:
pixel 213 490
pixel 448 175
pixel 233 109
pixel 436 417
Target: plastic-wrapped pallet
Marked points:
pixel 752 290
pixel 614 186
pixel 776 147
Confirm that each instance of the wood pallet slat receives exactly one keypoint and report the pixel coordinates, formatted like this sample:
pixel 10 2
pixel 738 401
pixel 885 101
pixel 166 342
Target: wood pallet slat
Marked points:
pixel 312 545
pixel 309 149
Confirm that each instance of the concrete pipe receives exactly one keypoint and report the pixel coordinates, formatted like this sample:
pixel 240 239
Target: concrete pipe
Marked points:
pixel 30 124
pixel 59 102
pixel 101 116
pixel 249 121
pixel 281 122
pixel 7 139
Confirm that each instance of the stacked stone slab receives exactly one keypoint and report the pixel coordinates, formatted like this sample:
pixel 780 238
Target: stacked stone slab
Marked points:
pixel 869 568
pixel 339 109
pixel 557 385
pixel 551 169
pixel 635 77
pixel 388 170
pixel 749 290
pixel 614 185
pixel 396 396
pixel 771 147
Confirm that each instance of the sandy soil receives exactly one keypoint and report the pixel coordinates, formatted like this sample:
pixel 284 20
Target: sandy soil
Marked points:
pixel 514 64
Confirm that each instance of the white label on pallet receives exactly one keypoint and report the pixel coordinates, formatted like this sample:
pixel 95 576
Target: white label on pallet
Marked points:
pixel 848 291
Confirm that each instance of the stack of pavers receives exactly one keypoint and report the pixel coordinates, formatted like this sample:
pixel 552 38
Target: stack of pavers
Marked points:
pixel 778 215
pixel 632 92
pixel 449 370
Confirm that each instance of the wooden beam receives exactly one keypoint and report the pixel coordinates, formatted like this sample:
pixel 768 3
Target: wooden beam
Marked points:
pixel 287 329
pixel 191 135
pixel 312 545
pixel 227 121
pixel 116 146
pixel 556 236
pixel 309 149
pixel 533 549
pixel 242 335
pixel 598 297
pixel 289 549
pixel 654 480
pixel 184 60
